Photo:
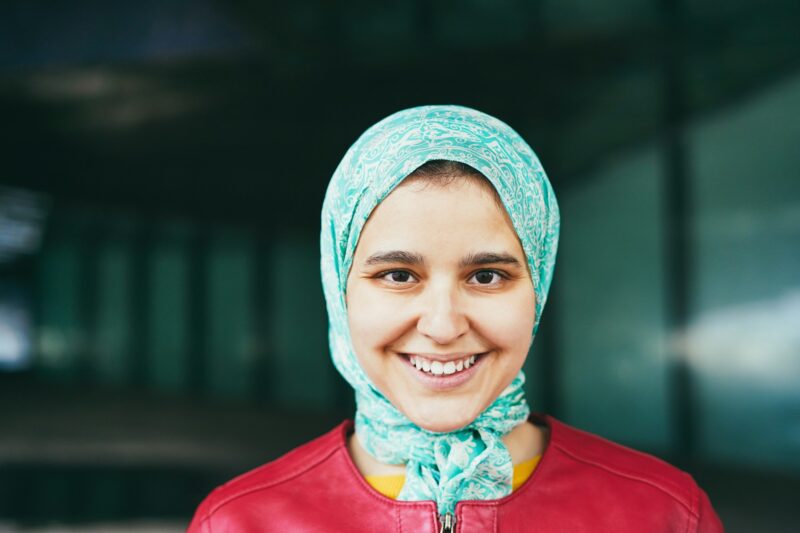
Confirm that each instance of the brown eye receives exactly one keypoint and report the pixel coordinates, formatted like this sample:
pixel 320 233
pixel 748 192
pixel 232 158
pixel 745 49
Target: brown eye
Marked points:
pixel 487 277
pixel 484 277
pixel 397 276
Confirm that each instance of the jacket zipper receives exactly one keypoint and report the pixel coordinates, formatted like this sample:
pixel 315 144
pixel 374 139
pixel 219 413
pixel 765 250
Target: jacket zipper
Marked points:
pixel 448 523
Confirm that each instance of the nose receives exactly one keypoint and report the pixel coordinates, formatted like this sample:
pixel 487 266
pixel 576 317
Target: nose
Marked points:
pixel 442 317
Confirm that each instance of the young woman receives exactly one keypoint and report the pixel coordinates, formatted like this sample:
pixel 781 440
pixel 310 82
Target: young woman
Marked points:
pixel 439 235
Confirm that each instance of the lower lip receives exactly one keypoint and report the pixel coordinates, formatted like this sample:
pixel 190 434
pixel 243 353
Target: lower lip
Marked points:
pixel 445 381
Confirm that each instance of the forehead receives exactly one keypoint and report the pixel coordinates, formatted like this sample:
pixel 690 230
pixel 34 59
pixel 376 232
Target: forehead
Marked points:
pixel 424 177
pixel 419 214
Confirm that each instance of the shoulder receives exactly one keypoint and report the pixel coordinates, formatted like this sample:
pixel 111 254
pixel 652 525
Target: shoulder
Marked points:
pixel 615 474
pixel 272 479
pixel 623 464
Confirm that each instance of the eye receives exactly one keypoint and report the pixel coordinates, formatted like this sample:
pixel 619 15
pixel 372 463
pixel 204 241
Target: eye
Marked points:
pixel 396 276
pixel 488 277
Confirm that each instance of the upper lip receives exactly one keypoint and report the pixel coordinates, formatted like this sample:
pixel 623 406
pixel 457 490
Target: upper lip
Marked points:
pixel 444 357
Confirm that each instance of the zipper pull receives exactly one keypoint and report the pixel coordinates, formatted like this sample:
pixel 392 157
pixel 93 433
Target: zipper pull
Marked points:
pixel 448 523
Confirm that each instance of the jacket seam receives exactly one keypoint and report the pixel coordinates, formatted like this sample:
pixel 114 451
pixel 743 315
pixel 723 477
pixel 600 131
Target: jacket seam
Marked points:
pixel 306 467
pixel 575 432
pixel 695 511
pixel 287 477
pixel 372 493
pixel 398 518
pixel 632 477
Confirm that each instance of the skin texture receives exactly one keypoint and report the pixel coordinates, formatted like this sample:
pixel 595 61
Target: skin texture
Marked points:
pixel 432 303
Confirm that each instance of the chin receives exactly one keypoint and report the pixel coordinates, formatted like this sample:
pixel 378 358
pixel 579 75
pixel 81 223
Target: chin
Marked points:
pixel 437 424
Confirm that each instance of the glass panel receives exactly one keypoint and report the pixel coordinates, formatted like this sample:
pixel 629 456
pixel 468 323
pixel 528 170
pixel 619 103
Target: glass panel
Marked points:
pixel 168 314
pixel 15 327
pixel 61 327
pixel 611 319
pixel 744 334
pixel 113 334
pixel 299 327
pixel 229 339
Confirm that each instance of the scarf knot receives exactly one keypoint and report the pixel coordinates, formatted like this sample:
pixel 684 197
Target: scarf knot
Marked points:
pixel 470 463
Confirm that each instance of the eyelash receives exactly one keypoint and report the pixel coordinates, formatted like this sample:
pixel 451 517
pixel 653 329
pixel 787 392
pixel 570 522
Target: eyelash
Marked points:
pixel 502 275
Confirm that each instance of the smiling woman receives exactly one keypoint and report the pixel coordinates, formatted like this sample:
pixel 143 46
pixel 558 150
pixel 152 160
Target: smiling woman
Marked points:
pixel 439 235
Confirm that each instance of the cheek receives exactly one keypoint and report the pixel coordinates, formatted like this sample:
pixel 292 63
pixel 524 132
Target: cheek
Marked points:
pixel 508 322
pixel 373 320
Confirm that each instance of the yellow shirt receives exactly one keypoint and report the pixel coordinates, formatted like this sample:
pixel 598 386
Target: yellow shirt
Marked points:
pixel 390 486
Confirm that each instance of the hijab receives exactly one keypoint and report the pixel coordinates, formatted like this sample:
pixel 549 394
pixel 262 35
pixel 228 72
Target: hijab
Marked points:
pixel 472 462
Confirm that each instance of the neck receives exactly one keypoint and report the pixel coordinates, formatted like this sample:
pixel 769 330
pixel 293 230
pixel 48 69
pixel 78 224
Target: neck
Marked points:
pixel 524 442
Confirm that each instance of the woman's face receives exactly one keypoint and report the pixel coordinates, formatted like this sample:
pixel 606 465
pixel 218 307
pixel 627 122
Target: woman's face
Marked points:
pixel 440 303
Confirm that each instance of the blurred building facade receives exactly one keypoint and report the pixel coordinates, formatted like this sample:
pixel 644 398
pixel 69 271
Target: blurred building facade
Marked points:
pixel 161 317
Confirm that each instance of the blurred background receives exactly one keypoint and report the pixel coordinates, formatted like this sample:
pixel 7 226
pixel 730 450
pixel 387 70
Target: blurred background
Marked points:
pixel 162 326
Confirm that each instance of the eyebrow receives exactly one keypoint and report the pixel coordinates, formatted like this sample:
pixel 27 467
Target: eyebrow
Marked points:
pixel 488 258
pixel 410 258
pixel 394 256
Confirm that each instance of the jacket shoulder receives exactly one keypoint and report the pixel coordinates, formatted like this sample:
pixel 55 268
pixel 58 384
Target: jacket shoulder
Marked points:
pixel 271 475
pixel 624 464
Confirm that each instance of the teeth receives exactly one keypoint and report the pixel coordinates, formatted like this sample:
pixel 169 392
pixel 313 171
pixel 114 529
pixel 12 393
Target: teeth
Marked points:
pixel 438 368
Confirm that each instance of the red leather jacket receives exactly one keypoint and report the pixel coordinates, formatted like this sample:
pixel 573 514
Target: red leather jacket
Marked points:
pixel 583 483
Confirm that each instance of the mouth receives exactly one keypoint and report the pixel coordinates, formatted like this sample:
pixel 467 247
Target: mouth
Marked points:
pixel 443 374
pixel 436 367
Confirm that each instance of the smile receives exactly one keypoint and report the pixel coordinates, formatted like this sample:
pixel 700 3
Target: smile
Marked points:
pixel 439 368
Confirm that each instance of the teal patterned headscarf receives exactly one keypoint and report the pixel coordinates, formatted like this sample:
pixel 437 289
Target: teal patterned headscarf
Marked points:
pixel 472 462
